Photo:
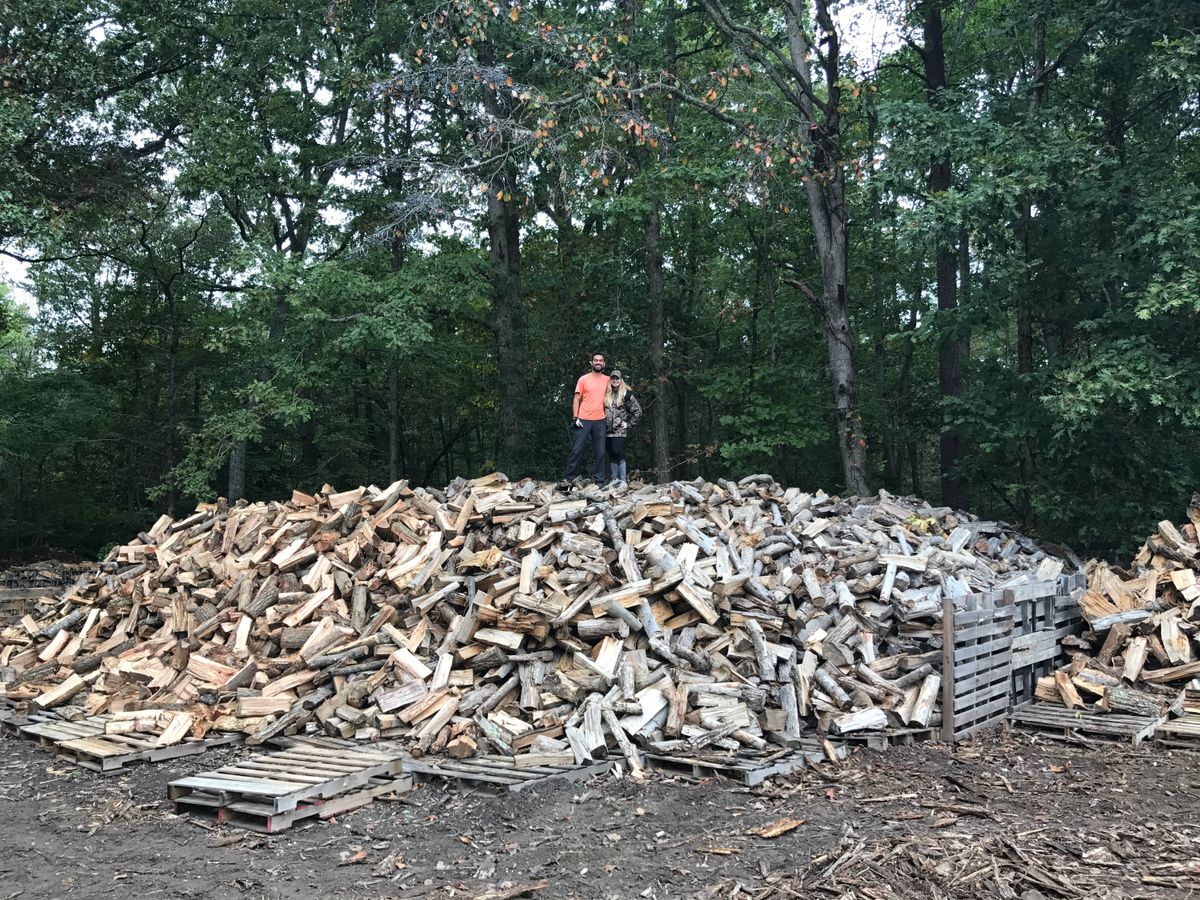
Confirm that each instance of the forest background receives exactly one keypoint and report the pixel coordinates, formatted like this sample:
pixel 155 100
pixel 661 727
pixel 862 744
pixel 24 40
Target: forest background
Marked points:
pixel 278 243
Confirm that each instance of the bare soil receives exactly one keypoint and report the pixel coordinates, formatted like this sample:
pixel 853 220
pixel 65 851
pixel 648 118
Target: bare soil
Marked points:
pixel 1001 816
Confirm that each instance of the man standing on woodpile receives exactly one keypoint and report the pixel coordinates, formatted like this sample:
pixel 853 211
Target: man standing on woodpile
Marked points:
pixel 587 410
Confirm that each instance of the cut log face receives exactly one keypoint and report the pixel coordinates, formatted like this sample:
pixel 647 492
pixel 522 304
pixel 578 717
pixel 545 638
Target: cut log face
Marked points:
pixel 490 615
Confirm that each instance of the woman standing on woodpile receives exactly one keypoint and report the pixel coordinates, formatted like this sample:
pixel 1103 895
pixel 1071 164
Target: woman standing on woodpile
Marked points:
pixel 622 410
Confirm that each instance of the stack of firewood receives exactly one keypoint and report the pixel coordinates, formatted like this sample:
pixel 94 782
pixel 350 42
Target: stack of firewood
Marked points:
pixel 512 617
pixel 1142 648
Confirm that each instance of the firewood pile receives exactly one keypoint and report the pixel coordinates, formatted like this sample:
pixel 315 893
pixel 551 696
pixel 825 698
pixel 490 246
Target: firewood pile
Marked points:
pixel 1142 648
pixel 514 618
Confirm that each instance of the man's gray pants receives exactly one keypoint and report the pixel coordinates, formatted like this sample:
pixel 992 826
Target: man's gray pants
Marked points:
pixel 595 428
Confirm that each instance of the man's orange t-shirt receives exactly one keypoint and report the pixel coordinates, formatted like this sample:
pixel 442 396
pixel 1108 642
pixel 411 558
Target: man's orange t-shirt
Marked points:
pixel 591 388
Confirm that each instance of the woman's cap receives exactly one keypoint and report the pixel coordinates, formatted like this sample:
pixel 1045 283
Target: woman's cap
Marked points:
pixel 616 373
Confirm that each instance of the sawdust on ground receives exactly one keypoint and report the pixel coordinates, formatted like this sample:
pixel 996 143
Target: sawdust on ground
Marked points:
pixel 1001 816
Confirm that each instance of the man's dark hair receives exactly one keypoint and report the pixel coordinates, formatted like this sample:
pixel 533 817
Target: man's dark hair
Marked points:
pixel 597 353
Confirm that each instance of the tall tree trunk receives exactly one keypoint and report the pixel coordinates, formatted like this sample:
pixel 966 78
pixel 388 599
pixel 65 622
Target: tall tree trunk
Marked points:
pixel 964 282
pixel 172 414
pixel 950 442
pixel 237 471
pixel 839 345
pixel 652 238
pixel 683 424
pixel 1026 445
pixel 393 424
pixel 504 251
pixel 826 195
pixel 652 233
pixel 904 400
pixel 891 465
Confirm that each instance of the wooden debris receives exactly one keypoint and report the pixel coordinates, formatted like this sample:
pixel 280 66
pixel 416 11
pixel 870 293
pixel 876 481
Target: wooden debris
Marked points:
pixel 509 618
pixel 1144 633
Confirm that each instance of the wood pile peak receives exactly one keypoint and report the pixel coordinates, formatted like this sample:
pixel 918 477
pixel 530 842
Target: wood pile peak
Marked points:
pixel 512 617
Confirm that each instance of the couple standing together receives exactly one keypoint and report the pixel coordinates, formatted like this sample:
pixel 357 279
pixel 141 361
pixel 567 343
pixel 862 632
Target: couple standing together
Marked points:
pixel 603 408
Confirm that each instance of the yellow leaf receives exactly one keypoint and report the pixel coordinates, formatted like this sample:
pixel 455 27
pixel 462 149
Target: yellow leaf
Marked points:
pixel 499 195
pixel 775 829
pixel 514 14
pixel 622 39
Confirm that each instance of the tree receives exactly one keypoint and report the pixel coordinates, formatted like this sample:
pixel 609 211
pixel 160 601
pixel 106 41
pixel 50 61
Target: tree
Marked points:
pixel 785 59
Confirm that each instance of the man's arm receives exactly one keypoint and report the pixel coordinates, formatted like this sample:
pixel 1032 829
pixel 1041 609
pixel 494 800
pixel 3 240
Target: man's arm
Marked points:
pixel 576 401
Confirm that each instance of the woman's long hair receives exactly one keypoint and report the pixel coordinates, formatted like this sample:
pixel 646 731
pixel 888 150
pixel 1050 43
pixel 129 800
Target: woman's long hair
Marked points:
pixel 611 400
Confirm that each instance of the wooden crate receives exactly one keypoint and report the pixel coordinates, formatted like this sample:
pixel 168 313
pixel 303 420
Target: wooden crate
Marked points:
pixel 997 644
pixel 15 602
pixel 1043 614
pixel 976 663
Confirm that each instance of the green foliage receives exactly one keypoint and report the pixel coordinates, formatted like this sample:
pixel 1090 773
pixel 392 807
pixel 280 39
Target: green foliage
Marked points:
pixel 266 227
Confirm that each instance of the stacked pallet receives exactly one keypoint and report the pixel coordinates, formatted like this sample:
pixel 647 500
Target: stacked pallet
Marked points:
pixel 50 575
pixel 21 585
pixel 514 618
pixel 273 791
pixel 1142 647
pixel 108 743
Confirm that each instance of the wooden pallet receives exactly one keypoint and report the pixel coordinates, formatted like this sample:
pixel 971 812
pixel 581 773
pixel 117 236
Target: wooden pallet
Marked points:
pixel 262 817
pixel 85 743
pixel 15 602
pixel 1183 732
pixel 500 772
pixel 1041 620
pixel 892 737
pixel 1084 726
pixel 285 781
pixel 748 769
pixel 976 662
pixel 320 741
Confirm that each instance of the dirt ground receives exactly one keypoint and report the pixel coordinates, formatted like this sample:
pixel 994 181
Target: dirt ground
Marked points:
pixel 1002 816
